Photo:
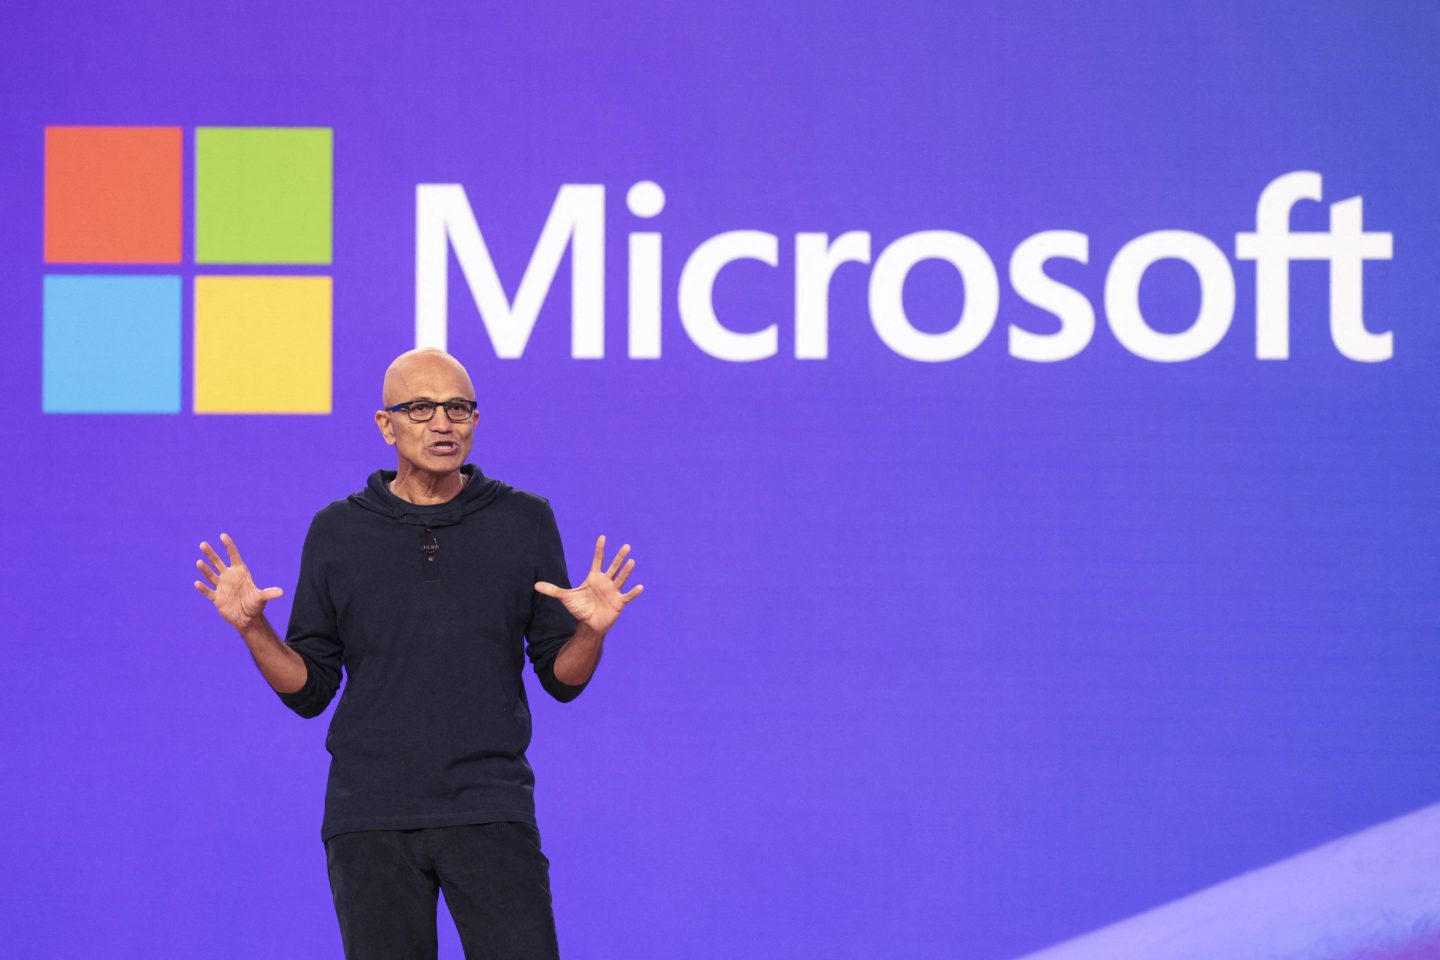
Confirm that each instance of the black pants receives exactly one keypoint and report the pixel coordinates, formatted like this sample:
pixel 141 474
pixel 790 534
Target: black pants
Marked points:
pixel 496 882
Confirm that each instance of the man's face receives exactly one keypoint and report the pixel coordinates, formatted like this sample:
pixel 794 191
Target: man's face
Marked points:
pixel 439 445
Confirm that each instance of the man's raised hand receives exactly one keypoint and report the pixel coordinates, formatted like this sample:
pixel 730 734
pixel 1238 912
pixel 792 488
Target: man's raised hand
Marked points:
pixel 230 587
pixel 598 601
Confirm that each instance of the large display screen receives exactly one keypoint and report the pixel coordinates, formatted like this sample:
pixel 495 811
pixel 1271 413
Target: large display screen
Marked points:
pixel 1023 418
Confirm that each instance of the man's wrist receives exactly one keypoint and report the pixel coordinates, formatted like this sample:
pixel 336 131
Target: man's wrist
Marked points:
pixel 256 627
pixel 587 635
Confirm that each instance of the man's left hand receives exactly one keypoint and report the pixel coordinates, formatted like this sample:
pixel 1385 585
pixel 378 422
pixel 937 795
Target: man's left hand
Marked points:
pixel 598 601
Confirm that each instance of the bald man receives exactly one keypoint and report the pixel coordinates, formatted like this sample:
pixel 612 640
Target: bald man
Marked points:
pixel 429 588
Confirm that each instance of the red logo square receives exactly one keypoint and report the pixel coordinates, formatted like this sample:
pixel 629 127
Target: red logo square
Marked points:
pixel 113 194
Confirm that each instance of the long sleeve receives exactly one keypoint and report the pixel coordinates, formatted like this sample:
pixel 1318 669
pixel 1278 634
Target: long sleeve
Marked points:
pixel 550 626
pixel 312 633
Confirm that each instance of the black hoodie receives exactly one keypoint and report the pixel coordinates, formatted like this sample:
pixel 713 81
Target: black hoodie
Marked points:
pixel 425 607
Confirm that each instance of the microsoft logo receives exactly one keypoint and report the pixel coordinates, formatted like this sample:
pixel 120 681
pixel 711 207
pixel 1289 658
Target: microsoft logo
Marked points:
pixel 114 203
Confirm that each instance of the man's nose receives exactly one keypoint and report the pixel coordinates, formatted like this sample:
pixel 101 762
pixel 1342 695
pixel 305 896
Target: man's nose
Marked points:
pixel 440 423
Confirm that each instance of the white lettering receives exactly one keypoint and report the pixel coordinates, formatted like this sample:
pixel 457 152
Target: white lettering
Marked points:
pixel 1076 315
pixel 1122 295
pixel 816 259
pixel 444 219
pixel 887 300
pixel 697 286
pixel 1272 246
pixel 645 199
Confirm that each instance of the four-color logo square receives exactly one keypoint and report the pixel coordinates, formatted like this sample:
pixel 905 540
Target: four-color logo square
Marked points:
pixel 112 344
pixel 114 195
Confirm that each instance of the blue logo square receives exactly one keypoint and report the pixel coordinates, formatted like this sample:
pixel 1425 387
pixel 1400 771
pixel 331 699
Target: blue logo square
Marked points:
pixel 112 344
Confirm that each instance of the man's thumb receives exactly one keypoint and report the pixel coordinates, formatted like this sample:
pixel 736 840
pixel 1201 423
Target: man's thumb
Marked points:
pixel 270 593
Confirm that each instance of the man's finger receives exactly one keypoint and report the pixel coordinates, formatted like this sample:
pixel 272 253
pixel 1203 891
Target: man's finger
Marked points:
pixel 209 551
pixel 624 574
pixel 549 589
pixel 206 591
pixel 206 571
pixel 271 593
pixel 615 564
pixel 627 597
pixel 231 549
pixel 599 554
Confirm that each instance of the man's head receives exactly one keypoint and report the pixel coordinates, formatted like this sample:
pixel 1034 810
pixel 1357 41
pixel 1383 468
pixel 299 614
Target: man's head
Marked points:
pixel 440 444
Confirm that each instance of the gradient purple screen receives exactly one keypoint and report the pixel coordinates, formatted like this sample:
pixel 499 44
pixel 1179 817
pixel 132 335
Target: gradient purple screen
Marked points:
pixel 935 659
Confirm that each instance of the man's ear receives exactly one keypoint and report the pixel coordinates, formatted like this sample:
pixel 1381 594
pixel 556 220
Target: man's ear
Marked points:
pixel 382 420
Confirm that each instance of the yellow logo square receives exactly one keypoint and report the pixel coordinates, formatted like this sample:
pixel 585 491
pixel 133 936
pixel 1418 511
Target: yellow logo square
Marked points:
pixel 262 344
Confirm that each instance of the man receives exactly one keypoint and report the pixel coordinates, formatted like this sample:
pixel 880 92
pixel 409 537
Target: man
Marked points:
pixel 421 587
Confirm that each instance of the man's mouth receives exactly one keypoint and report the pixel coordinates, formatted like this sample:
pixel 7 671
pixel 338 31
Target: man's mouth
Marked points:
pixel 444 447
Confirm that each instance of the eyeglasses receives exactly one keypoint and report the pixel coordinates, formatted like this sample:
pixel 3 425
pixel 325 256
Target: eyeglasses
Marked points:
pixel 420 411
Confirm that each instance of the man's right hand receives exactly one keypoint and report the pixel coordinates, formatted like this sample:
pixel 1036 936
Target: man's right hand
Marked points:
pixel 230 587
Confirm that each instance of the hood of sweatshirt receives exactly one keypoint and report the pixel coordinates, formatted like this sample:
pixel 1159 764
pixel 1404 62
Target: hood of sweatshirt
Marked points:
pixel 479 491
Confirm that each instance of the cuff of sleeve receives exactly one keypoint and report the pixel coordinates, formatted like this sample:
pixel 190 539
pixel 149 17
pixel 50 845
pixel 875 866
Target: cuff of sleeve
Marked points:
pixel 554 686
pixel 302 701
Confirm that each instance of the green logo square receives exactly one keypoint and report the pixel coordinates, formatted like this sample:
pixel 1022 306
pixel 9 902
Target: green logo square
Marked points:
pixel 263 194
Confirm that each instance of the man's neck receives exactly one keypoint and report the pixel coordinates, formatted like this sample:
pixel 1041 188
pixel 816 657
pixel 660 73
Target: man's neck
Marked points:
pixel 423 488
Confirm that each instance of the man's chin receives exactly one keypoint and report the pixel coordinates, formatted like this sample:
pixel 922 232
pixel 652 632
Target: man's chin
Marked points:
pixel 438 464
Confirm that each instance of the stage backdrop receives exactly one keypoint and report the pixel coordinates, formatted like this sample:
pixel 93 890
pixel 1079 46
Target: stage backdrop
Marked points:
pixel 1024 419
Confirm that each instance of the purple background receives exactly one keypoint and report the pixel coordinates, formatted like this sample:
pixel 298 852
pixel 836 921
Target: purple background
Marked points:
pixel 954 659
